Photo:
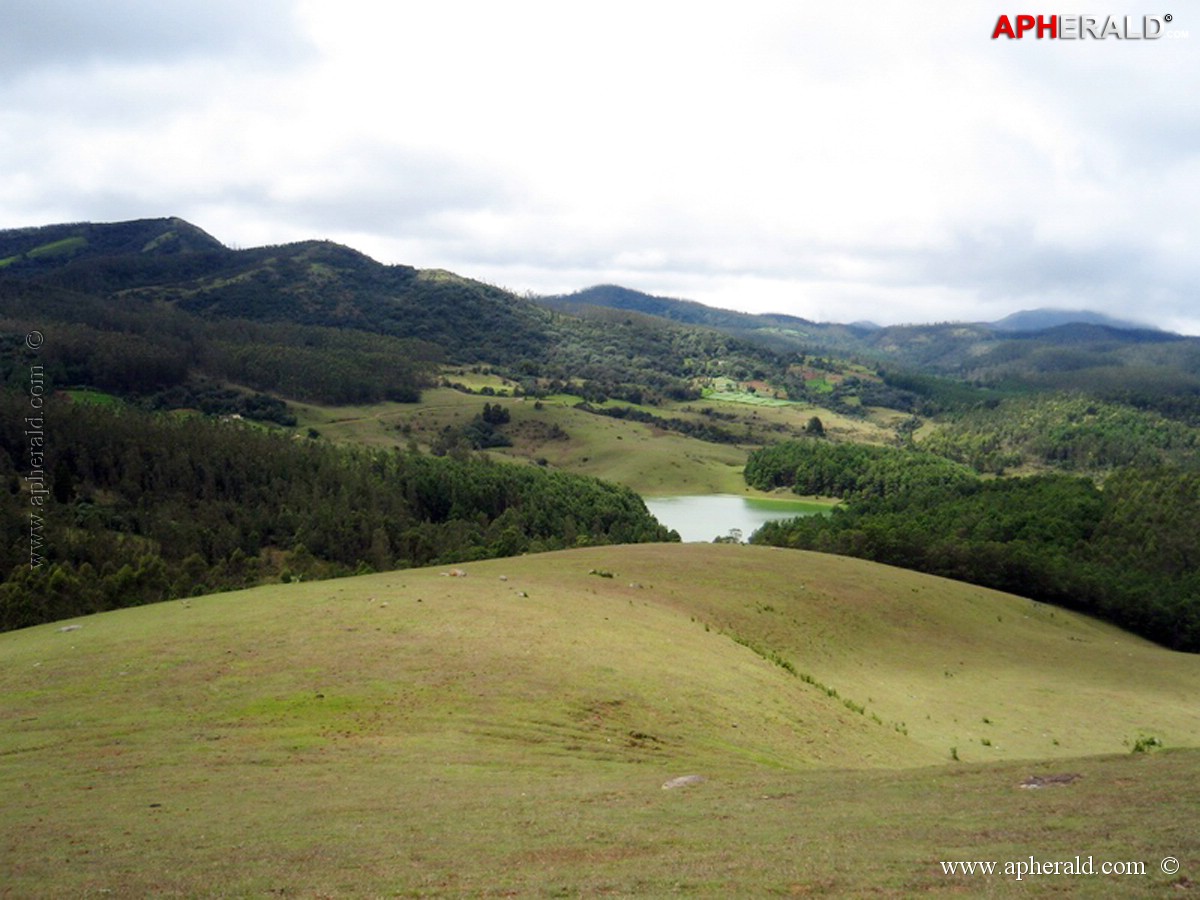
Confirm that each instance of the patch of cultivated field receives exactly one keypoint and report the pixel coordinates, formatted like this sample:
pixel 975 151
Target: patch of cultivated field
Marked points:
pixel 506 728
pixel 752 399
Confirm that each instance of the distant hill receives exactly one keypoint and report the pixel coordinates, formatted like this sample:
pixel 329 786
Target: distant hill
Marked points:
pixel 38 249
pixel 1042 319
pixel 774 329
pixel 1041 349
pixel 950 348
pixel 689 311
pixel 152 295
pixel 314 283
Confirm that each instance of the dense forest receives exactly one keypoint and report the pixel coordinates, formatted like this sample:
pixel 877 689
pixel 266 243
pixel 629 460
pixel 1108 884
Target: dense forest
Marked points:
pixel 130 507
pixel 1128 552
pixel 849 470
pixel 160 356
pixel 1068 431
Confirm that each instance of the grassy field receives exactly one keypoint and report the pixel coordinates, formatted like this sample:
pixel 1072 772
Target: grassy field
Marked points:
pixel 95 398
pixel 509 733
pixel 58 248
pixel 650 460
pixel 748 398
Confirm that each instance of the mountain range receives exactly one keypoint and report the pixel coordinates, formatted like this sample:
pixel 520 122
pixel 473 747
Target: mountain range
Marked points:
pixel 694 313
pixel 35 250
pixel 160 282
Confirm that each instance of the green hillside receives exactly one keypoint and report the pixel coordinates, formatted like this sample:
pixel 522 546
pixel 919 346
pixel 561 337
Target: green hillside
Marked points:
pixel 176 306
pixel 125 278
pixel 780 331
pixel 41 249
pixel 325 345
pixel 507 728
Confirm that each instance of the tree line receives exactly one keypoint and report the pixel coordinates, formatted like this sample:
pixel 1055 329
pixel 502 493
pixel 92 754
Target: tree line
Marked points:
pixel 142 507
pixel 701 431
pixel 817 467
pixel 1066 430
pixel 147 351
pixel 1128 552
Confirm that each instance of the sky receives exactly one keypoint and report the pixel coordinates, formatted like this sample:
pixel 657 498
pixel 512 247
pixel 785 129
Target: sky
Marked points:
pixel 882 161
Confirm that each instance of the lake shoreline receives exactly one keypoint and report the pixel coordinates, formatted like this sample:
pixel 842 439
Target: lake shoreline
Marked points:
pixel 708 517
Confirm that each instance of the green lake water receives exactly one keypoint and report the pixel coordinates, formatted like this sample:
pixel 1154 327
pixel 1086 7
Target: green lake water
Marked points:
pixel 702 517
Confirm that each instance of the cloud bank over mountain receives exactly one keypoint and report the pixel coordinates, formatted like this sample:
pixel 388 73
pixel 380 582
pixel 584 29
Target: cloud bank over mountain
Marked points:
pixel 893 164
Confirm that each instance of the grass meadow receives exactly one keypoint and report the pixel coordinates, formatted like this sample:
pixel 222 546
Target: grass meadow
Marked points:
pixel 506 729
pixel 649 460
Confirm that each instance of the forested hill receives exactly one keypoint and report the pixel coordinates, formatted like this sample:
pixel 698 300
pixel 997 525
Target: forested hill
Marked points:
pixel 313 283
pixel 771 329
pixel 128 505
pixel 947 346
pixel 125 507
pixel 1126 552
pixel 157 306
pixel 152 291
pixel 40 249
pixel 1033 350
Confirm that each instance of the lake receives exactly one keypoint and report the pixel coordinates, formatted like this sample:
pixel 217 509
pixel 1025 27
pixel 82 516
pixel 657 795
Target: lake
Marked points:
pixel 702 517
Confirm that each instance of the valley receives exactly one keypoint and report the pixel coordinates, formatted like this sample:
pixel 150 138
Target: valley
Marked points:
pixel 349 588
pixel 554 429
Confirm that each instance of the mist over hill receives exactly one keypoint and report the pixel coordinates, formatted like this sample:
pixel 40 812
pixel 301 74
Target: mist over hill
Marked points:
pixel 1040 319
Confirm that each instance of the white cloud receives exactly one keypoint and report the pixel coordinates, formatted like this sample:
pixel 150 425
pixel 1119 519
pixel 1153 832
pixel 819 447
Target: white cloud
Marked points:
pixel 892 162
pixel 70 34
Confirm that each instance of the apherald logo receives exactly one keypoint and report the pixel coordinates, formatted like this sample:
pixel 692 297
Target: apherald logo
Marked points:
pixel 1074 28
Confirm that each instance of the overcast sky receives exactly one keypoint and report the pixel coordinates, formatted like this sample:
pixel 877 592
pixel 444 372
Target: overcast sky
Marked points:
pixel 882 160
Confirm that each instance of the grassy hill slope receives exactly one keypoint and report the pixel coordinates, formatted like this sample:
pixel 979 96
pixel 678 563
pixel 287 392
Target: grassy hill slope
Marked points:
pixel 510 731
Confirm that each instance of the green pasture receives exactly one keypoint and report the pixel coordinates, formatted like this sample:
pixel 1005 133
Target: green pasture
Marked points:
pixel 93 397
pixel 58 248
pixel 651 460
pixel 629 453
pixel 507 728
